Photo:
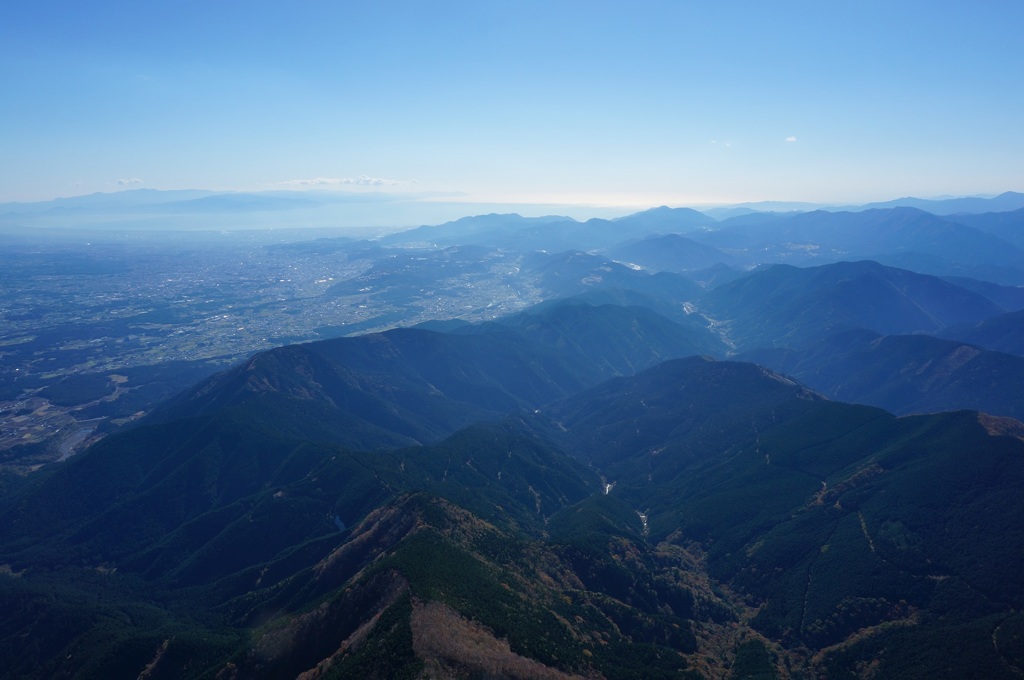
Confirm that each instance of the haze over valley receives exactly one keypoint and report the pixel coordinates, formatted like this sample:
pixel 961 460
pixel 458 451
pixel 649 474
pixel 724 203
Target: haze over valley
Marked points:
pixel 494 340
pixel 661 427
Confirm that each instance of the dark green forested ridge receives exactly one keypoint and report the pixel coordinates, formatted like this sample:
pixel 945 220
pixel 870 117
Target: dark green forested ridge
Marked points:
pixel 904 373
pixel 787 306
pixel 477 504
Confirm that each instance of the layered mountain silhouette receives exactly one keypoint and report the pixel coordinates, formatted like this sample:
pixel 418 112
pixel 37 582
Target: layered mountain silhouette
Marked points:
pixel 612 339
pixel 671 252
pixel 574 273
pixel 782 305
pixel 693 459
pixel 905 373
pixel 398 387
pixel 1003 333
pixel 1006 225
pixel 553 233
pixel 902 237
pixel 641 527
pixel 1006 201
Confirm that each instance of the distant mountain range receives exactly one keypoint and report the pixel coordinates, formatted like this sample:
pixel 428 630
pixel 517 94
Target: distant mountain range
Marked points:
pixel 191 210
pixel 671 253
pixel 785 306
pixel 905 373
pixel 1004 333
pixel 769 445
pixel 1006 201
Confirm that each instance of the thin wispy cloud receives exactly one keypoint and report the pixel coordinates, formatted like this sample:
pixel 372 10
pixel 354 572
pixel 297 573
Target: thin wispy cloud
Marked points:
pixel 362 180
pixel 129 182
pixel 791 138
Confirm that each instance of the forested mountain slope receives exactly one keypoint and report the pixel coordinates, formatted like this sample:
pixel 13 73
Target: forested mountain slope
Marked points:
pixel 696 515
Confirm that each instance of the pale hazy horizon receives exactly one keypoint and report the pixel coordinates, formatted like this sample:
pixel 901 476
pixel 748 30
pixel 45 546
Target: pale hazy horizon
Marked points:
pixel 601 106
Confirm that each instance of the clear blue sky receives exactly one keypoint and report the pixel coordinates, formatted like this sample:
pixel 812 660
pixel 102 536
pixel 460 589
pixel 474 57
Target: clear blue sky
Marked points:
pixel 638 103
